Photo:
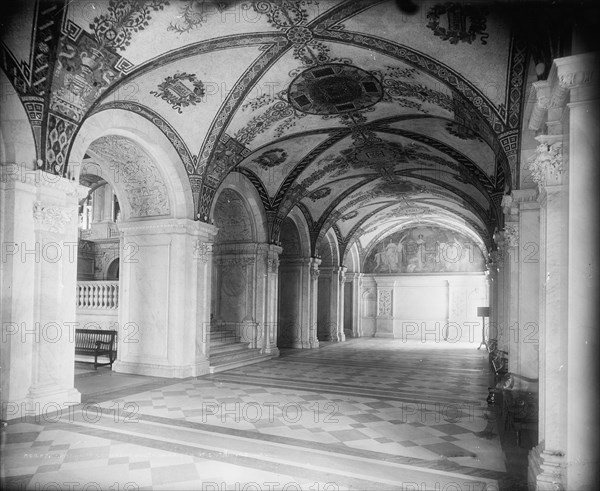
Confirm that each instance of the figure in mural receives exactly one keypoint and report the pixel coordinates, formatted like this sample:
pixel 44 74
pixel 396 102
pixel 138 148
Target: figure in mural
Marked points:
pixel 421 257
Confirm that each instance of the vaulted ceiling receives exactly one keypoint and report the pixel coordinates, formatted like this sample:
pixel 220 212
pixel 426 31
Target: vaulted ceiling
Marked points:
pixel 364 114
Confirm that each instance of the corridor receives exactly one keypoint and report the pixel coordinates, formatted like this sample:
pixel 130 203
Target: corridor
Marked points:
pixel 365 414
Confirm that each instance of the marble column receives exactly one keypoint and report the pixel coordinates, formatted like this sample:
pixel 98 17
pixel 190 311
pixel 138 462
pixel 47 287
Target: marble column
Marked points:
pixel 297 312
pixel 38 280
pixel 107 213
pixel 528 270
pixel 271 299
pixel 331 304
pixel 355 321
pixel 165 297
pixel 565 168
pixel 579 74
pixel 313 267
pixel 337 305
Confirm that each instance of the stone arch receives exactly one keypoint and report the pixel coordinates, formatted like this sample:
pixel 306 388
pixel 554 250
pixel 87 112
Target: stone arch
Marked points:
pixel 112 270
pixel 125 124
pixel 134 175
pixel 17 143
pixel 328 250
pixel 352 259
pixel 238 188
pixel 297 217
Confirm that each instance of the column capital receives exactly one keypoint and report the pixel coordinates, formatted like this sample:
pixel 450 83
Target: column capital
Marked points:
pixel 576 76
pixel 548 164
pixel 52 218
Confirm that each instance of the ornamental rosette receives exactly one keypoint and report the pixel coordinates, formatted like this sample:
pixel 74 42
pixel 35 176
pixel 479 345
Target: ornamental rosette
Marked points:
pixel 548 158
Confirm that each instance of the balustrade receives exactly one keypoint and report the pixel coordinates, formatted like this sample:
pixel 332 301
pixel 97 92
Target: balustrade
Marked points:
pixel 98 295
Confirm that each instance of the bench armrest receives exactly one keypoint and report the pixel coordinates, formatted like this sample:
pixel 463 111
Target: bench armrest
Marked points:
pixel 98 343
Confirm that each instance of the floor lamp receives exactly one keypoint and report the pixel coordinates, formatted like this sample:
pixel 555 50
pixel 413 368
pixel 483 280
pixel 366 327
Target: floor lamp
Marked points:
pixel 483 312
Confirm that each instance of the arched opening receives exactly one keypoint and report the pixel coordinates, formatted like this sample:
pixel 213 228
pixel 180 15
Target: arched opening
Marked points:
pixel 330 309
pixel 290 286
pixel 427 280
pixel 112 273
pixel 138 214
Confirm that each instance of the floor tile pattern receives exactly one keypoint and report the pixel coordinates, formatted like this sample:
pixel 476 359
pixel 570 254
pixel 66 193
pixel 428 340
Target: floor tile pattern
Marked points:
pixel 364 414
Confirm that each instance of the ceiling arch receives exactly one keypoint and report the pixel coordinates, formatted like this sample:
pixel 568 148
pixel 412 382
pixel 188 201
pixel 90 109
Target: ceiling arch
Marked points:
pixel 356 114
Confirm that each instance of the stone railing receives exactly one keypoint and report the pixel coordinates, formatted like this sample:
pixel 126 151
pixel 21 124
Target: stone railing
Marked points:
pixel 98 295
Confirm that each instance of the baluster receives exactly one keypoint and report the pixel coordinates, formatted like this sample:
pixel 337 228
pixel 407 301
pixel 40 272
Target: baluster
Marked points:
pixel 104 296
pixel 116 296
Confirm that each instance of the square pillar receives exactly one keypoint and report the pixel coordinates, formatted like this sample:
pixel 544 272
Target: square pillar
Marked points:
pixel 164 299
pixel 38 282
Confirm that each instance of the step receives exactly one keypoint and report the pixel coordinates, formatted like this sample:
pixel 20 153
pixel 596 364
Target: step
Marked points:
pixel 219 348
pixel 223 338
pixel 238 354
pixel 226 362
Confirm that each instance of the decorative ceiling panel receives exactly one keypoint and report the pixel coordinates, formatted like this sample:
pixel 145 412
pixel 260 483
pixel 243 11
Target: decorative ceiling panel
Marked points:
pixel 453 34
pixel 187 93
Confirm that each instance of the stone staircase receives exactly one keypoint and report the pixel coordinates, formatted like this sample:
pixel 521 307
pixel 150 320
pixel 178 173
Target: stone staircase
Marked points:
pixel 227 352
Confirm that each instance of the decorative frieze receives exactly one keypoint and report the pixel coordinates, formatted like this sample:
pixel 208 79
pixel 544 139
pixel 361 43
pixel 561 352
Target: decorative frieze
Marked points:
pixel 51 218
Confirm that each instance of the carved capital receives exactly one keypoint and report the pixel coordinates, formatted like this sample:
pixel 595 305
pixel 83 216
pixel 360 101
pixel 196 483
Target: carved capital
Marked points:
pixel 51 218
pixel 548 162
pixel 314 273
pixel 273 264
pixel 202 250
pixel 511 234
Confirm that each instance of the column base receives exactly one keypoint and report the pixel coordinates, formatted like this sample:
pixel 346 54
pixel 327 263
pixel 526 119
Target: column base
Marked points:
pixel 41 401
pixel 273 351
pixel 546 469
pixel 166 371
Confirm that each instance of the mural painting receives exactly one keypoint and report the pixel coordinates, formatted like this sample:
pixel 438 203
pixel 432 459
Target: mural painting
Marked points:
pixel 425 249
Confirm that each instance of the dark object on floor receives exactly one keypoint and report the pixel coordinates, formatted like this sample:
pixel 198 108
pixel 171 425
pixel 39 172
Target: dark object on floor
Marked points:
pixel 96 342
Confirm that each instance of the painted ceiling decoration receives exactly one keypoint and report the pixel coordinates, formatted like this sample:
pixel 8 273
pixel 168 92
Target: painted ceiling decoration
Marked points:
pixel 356 112
pixel 180 90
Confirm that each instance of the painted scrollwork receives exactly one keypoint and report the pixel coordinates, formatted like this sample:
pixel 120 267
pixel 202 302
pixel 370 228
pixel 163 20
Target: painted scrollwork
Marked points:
pixel 138 173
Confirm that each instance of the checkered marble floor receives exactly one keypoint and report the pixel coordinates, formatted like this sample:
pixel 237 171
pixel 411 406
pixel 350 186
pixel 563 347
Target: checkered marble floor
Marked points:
pixel 364 414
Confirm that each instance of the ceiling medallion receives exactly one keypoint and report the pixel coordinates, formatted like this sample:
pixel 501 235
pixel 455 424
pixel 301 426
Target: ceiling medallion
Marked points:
pixel 334 88
pixel 455 22
pixel 180 90
pixel 380 153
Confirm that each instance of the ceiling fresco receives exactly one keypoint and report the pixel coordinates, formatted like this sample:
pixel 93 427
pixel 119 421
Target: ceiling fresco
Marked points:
pixel 362 115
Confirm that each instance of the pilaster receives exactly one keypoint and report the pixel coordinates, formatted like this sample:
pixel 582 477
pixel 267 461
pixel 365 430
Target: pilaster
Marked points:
pixel 38 275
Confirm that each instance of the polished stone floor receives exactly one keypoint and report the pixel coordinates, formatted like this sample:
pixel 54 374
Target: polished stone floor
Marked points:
pixel 364 414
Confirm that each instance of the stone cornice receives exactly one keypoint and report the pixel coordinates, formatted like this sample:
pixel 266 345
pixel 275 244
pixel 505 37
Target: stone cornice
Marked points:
pixel 572 72
pixel 13 174
pixel 169 225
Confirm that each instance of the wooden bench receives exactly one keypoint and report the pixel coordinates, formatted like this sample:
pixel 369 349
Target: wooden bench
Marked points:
pixel 96 342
